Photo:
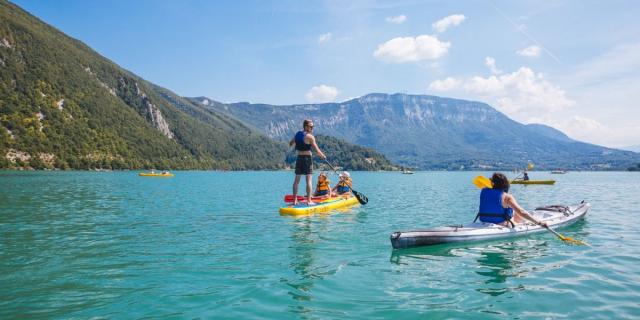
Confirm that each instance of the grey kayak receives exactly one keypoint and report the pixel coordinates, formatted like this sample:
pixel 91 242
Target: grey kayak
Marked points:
pixel 555 216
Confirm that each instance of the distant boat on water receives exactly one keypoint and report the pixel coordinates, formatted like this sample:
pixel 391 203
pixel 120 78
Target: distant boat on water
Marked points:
pixel 558 172
pixel 153 173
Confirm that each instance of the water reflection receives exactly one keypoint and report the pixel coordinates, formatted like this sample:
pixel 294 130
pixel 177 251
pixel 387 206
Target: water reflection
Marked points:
pixel 302 259
pixel 496 263
pixel 305 238
pixel 499 263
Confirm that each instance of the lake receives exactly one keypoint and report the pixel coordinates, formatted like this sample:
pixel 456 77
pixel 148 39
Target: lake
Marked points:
pixel 210 244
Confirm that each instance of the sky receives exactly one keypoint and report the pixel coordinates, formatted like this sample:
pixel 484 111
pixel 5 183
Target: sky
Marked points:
pixel 573 65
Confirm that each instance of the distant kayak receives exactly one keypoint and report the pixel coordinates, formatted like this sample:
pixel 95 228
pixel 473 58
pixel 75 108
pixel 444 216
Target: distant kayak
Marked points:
pixel 558 172
pixel 407 172
pixel 532 181
pixel 145 174
pixel 555 216
pixel 319 207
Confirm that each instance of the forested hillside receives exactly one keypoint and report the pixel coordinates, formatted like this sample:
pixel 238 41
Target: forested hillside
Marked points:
pixel 347 156
pixel 63 105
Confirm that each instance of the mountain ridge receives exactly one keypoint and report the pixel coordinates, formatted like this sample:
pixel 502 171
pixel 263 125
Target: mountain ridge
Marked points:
pixel 430 132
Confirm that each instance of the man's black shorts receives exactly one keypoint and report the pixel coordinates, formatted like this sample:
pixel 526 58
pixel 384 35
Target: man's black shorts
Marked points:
pixel 303 165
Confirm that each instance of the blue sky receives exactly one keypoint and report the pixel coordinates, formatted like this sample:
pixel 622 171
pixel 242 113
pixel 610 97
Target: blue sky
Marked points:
pixel 574 65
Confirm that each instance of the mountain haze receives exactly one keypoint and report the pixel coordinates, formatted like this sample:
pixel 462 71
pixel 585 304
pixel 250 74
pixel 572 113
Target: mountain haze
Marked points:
pixel 431 132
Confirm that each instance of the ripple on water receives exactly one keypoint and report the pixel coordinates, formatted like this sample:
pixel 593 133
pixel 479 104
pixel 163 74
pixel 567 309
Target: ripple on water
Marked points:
pixel 211 245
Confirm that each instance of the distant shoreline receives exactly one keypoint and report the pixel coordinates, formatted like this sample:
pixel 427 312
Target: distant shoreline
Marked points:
pixel 290 170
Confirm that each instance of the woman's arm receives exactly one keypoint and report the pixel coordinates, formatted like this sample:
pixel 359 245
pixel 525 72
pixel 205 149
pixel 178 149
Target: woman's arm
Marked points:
pixel 511 202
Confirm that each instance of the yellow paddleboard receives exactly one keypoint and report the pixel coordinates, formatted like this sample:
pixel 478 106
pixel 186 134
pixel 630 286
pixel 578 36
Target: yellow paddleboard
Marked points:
pixel 320 207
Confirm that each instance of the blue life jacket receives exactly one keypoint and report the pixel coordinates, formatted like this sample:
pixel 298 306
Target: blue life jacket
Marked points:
pixel 491 209
pixel 299 139
pixel 343 187
pixel 322 192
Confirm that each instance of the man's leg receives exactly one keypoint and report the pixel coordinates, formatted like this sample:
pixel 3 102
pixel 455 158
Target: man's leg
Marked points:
pixel 309 181
pixel 296 181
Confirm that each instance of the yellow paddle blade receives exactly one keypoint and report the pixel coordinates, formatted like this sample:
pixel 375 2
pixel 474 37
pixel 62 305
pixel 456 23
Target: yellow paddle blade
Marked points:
pixel 482 182
pixel 567 239
pixel 574 241
pixel 529 166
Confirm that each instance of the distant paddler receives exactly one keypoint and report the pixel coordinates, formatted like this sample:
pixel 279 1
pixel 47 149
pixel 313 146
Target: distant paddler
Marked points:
pixel 304 141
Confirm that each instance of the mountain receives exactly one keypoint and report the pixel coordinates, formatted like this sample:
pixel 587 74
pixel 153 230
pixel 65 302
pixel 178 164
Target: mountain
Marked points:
pixel 430 132
pixel 634 148
pixel 63 105
pixel 549 132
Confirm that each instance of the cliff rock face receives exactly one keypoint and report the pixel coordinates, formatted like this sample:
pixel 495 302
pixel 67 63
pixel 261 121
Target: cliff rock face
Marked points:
pixel 432 132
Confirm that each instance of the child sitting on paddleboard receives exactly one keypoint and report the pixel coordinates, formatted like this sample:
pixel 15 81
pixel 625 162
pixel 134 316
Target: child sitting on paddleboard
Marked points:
pixel 323 188
pixel 344 185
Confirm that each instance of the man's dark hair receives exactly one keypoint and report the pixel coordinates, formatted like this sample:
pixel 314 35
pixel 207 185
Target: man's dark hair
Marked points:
pixel 306 122
pixel 500 182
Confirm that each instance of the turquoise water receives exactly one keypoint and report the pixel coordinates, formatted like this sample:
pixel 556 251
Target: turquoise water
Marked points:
pixel 212 245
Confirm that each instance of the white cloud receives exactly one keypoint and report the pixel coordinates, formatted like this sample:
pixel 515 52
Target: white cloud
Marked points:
pixel 522 94
pixel 491 63
pixel 323 38
pixel 445 23
pixel 590 130
pixel 605 88
pixel 321 94
pixel 619 62
pixel 397 19
pixel 409 49
pixel 532 51
pixel 485 86
pixel 444 85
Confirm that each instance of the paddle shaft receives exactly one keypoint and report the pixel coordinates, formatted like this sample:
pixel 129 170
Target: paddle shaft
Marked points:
pixel 330 166
pixel 554 232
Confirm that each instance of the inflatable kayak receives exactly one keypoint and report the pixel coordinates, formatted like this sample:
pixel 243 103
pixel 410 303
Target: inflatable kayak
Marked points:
pixel 532 181
pixel 144 174
pixel 320 207
pixel 555 216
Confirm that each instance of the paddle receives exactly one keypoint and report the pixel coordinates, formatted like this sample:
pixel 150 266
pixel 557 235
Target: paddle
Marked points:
pixel 361 197
pixel 484 182
pixel 567 239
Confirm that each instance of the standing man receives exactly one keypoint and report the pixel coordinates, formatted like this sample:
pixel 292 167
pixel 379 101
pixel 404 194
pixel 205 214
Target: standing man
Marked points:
pixel 304 141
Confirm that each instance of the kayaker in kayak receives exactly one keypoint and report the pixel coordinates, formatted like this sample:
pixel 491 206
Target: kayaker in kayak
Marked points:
pixel 323 188
pixel 344 185
pixel 304 141
pixel 499 207
pixel 525 177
